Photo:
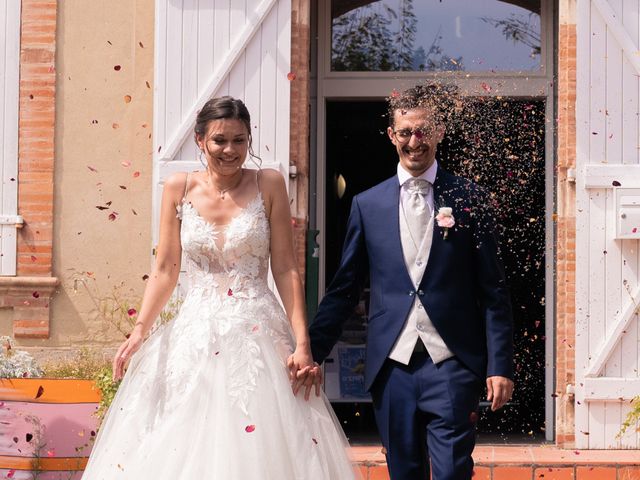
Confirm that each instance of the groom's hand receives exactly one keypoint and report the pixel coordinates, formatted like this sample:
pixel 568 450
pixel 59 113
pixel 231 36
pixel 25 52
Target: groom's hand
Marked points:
pixel 307 377
pixel 499 391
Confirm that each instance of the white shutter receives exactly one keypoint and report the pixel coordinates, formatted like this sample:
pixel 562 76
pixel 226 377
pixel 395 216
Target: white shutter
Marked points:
pixel 9 91
pixel 211 48
pixel 607 343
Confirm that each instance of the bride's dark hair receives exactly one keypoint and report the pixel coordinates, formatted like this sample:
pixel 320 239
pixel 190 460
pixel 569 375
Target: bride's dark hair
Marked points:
pixel 224 108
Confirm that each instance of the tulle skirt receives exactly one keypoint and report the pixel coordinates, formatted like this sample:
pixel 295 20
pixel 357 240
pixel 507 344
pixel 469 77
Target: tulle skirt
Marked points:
pixel 204 402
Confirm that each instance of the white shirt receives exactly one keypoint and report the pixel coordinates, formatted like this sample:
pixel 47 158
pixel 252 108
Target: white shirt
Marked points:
pixel 429 175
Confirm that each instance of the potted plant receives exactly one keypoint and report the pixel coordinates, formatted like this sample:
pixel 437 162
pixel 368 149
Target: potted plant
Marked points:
pixel 48 423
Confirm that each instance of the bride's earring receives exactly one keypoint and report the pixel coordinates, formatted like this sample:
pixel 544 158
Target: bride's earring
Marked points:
pixel 201 158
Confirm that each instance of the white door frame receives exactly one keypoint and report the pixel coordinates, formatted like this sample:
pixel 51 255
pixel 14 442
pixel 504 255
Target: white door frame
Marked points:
pixel 377 85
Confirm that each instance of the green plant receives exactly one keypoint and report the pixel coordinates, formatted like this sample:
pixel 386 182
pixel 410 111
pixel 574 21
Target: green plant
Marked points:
pixel 87 365
pixel 108 388
pixel 633 417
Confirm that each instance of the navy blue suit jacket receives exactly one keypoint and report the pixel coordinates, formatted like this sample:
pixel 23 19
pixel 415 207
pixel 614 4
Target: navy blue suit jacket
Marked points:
pixel 463 288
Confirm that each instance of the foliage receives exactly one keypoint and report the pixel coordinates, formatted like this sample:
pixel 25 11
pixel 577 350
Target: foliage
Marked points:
pixel 633 418
pixel 16 363
pixel 108 388
pixel 519 29
pixel 378 38
pixel 85 366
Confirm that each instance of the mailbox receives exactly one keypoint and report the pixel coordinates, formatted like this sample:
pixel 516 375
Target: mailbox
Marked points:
pixel 628 212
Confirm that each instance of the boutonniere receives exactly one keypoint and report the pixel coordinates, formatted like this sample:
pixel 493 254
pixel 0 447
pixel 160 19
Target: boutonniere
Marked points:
pixel 445 220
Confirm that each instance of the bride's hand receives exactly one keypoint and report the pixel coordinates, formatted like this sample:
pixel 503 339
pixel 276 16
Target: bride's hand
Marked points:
pixel 304 372
pixel 130 346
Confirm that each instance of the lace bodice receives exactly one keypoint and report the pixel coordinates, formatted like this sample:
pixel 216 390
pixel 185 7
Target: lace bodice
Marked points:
pixel 230 260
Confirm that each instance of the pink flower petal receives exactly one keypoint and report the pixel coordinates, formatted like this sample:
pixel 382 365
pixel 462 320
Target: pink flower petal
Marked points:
pixel 249 428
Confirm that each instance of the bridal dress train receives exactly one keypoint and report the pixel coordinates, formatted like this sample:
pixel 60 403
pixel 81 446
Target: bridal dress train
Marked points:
pixel 207 396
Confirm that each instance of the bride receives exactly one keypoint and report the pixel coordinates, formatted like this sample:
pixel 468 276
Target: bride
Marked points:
pixel 208 395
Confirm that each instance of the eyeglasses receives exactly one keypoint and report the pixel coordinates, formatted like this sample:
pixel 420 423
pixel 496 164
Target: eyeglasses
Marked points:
pixel 421 133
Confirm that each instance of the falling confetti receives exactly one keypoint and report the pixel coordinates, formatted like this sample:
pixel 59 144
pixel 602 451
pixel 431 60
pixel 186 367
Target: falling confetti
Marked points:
pixel 93 169
pixel 127 99
pixel 117 68
pixel 249 428
pixel 291 76
pixel 40 391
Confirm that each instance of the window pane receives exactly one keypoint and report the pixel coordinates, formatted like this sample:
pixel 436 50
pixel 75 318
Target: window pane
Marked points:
pixel 435 35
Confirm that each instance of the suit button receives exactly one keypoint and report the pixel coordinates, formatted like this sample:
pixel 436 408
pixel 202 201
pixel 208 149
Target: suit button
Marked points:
pixel 420 327
pixel 411 293
pixel 419 263
pixel 419 306
pixel 420 292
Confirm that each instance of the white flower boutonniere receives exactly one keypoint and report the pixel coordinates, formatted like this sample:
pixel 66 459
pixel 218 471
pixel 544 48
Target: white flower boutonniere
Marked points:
pixel 445 220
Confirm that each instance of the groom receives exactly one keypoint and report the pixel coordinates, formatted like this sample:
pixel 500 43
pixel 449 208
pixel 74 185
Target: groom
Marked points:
pixel 440 325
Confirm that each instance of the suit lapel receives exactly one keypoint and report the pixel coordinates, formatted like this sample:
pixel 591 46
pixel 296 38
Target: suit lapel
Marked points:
pixel 389 216
pixel 441 188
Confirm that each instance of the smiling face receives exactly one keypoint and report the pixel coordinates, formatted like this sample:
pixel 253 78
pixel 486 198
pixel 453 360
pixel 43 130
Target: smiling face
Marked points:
pixel 416 137
pixel 225 145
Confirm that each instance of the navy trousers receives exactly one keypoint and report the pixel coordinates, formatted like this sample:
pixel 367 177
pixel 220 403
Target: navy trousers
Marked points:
pixel 426 416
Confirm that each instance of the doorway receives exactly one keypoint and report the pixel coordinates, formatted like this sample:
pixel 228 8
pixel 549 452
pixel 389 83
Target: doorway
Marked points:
pixel 509 162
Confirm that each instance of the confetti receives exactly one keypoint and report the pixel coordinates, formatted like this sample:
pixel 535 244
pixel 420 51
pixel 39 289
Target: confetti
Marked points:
pixel 249 428
pixel 291 76
pixel 127 99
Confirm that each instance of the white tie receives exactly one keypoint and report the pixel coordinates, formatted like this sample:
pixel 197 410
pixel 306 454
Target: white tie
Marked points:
pixel 417 209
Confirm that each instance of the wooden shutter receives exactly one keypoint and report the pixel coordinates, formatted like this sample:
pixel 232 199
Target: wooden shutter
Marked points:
pixel 9 90
pixel 210 48
pixel 607 343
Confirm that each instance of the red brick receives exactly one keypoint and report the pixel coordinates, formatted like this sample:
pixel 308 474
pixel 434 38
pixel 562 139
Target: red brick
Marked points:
pixel 512 473
pixel 378 472
pixel 595 473
pixel 629 473
pixel 363 471
pixel 554 473
pixel 481 473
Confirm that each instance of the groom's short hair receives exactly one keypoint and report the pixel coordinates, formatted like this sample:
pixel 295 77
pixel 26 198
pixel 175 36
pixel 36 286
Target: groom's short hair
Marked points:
pixel 440 98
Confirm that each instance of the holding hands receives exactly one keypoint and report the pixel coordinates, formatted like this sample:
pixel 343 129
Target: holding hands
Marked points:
pixel 304 372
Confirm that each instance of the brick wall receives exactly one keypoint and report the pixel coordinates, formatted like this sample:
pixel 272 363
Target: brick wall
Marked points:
pixel 299 123
pixel 30 292
pixel 566 236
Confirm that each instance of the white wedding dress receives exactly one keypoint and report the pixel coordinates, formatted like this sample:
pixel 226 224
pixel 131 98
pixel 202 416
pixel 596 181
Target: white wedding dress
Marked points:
pixel 208 396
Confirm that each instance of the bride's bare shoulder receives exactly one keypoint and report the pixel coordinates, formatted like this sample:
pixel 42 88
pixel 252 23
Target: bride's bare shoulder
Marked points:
pixel 270 180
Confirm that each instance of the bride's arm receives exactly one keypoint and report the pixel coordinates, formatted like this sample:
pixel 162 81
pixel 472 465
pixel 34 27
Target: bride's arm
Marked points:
pixel 283 265
pixel 164 275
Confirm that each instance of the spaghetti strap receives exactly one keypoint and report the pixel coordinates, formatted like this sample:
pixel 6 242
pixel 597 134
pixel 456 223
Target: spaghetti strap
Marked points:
pixel 258 180
pixel 186 187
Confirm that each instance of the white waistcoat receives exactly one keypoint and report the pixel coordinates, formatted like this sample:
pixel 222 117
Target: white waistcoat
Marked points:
pixel 418 324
